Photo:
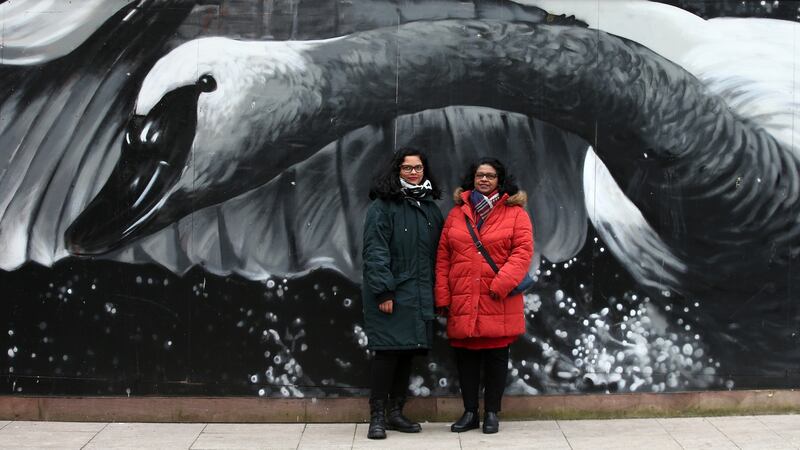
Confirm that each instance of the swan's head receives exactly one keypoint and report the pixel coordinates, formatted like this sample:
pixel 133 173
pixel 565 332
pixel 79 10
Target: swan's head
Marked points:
pixel 206 114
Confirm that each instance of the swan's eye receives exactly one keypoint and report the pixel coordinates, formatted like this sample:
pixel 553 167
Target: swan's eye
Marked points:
pixel 207 83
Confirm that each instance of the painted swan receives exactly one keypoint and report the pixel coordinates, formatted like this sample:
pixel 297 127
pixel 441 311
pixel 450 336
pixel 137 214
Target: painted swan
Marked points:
pixel 691 179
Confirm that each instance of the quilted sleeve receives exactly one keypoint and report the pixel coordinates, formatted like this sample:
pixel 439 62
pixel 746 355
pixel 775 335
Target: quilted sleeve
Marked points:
pixel 515 268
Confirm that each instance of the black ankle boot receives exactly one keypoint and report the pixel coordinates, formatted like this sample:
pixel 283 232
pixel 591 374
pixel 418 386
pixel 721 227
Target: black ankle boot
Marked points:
pixel 469 421
pixel 395 420
pixel 377 419
pixel 491 423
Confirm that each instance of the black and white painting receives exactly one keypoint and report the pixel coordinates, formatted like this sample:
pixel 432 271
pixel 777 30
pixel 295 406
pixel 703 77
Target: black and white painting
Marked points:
pixel 183 185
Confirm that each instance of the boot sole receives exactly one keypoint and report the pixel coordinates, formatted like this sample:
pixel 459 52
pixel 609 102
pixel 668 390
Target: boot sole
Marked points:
pixel 405 430
pixel 462 430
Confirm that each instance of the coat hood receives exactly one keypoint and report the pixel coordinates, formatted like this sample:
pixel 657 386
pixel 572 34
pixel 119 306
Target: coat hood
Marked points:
pixel 518 199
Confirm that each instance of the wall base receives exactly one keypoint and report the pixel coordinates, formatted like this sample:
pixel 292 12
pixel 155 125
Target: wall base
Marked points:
pixel 238 409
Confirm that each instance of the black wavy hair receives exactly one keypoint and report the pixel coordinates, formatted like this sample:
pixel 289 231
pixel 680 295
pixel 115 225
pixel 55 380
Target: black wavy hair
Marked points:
pixel 386 184
pixel 505 181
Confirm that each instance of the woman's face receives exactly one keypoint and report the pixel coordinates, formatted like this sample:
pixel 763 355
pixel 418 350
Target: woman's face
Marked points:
pixel 485 179
pixel 411 169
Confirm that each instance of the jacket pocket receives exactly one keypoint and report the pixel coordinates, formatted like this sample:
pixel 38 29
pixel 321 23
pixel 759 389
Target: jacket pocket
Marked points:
pixel 405 290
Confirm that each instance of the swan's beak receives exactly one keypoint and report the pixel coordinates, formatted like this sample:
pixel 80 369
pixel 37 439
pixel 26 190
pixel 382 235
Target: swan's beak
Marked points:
pixel 154 152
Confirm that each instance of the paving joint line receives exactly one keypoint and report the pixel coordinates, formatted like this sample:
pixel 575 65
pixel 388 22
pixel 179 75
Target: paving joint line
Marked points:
pixel 758 418
pixel 302 433
pixel 566 439
pixel 198 436
pixel 353 442
pixel 95 435
pixel 661 424
pixel 722 432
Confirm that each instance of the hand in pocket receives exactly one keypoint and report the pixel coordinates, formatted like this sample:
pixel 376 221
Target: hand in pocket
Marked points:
pixel 387 306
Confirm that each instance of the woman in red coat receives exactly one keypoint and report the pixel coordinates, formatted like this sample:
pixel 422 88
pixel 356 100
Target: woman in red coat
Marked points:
pixel 483 317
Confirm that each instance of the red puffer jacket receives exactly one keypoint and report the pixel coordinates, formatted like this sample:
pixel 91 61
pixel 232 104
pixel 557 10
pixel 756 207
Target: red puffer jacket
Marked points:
pixel 464 278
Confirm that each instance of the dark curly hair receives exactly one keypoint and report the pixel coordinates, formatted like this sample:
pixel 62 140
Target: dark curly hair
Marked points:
pixel 505 181
pixel 386 184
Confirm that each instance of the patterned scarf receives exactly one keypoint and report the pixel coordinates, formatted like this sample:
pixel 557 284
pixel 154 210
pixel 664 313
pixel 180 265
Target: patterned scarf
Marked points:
pixel 483 205
pixel 416 191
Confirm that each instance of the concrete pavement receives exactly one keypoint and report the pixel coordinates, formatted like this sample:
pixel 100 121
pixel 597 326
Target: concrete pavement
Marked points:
pixel 732 432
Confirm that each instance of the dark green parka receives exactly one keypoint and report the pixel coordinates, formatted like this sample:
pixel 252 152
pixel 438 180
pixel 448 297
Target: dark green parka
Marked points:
pixel 400 241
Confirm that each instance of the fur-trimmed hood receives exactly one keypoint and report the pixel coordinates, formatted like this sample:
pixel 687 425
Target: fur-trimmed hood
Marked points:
pixel 518 199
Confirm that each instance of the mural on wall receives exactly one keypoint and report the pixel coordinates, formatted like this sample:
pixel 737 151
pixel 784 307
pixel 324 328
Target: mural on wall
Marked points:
pixel 183 185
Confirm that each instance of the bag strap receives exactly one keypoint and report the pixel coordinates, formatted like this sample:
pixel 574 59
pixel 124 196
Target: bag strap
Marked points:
pixel 478 244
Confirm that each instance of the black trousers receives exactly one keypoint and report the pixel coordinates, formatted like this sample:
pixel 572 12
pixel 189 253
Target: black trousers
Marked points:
pixel 494 362
pixel 390 372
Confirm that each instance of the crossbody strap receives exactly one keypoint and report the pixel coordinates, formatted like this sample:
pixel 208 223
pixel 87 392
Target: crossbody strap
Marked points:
pixel 480 246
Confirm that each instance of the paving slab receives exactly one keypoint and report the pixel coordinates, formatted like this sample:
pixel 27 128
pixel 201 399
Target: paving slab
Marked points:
pixel 614 427
pixel 750 432
pixel 146 436
pixel 790 435
pixel 619 442
pixel 288 429
pixel 705 443
pixel 61 435
pixel 529 434
pixel 530 426
pixel 737 423
pixel 759 440
pixel 328 435
pixel 696 432
pixel 3 423
pixel 688 425
pixel 33 426
pixel 237 441
pixel 434 435
pixel 478 440
pixel 250 436
pixel 779 418
pixel 747 432
pixel 787 425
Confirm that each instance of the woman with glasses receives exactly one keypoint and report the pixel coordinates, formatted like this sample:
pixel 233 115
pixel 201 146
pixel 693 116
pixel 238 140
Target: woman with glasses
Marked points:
pixel 484 253
pixel 401 234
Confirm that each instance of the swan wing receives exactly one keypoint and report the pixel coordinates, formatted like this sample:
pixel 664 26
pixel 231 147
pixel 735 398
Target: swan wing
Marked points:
pixel 61 129
pixel 38 31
